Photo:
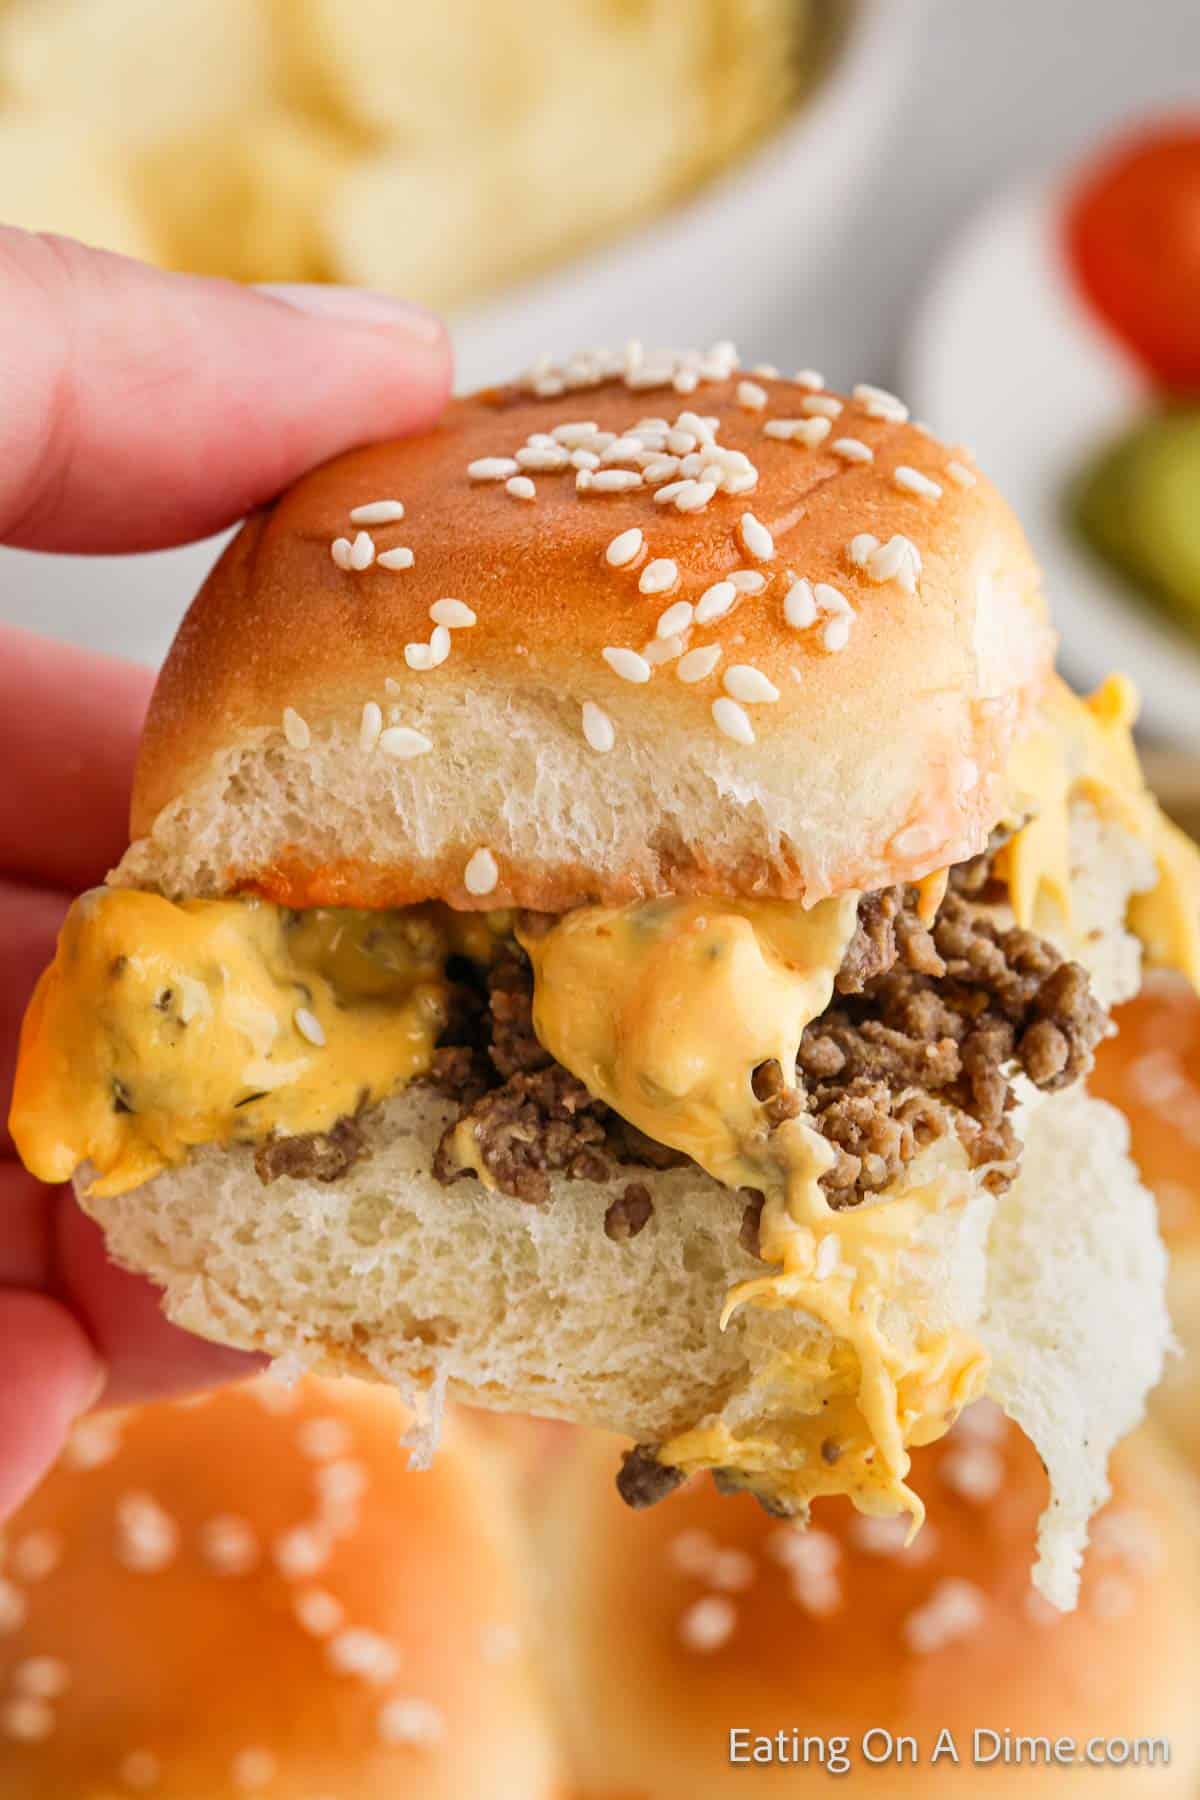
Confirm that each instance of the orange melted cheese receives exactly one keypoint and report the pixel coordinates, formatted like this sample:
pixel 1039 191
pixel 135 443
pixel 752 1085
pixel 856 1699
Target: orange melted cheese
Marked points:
pixel 161 1026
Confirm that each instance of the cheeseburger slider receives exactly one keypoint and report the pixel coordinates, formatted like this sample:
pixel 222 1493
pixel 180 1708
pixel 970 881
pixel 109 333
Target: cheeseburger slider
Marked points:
pixel 1150 1068
pixel 253 1596
pixel 742 1657
pixel 615 881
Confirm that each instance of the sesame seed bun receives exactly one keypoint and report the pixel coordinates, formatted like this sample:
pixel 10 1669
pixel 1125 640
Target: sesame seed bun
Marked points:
pixel 1151 1070
pixel 709 1616
pixel 848 737
pixel 252 1594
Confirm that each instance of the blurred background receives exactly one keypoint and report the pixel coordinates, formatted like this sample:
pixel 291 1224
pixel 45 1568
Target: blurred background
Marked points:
pixel 952 200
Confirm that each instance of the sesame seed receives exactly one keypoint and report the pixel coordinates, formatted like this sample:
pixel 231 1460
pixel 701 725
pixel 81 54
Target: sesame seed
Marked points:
pixel 783 429
pixel 598 728
pixel 147 1536
pixel 93 1442
pixel 41 1677
pixel 409 1721
pixel 585 461
pixel 660 469
pixel 614 481
pixel 252 1769
pixel 836 634
pixel 756 539
pixel 674 619
pixel 955 1610
pixel 481 873
pixel 799 605
pixel 295 729
pixel 399 558
pixel 403 742
pixel 912 481
pixel 520 487
pixel 626 663
pixel 340 550
pixel 959 472
pixel 340 1486
pixel 140 1771
pixel 860 548
pixel 809 378
pixel 715 601
pixel 692 1552
pixel 698 664
pixel 831 599
pixel 362 552
pixel 898 560
pixel 36 1555
pixel 455 615
pixel 541 460
pixel 301 1552
pixel 323 1439
pixel 27 1721
pixel 732 1571
pixel 696 496
pixel 680 443
pixel 666 495
pixel 973 1471
pixel 748 581
pixel 751 396
pixel 228 1545
pixel 708 1623
pixel 1112 1596
pixel 378 512
pixel 663 649
pixel 880 404
pixel 370 726
pixel 852 450
pixel 658 576
pixel 13 1607
pixel 625 548
pixel 363 1653
pixel 318 1612
pixel 574 433
pixel 492 468
pixel 730 719
pixel 825 406
pixel 309 1026
pixel 750 685
pixel 767 370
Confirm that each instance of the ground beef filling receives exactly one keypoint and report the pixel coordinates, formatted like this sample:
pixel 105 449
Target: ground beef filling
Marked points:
pixel 929 1025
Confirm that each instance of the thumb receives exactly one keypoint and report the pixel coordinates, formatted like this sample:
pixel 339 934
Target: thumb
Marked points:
pixel 140 409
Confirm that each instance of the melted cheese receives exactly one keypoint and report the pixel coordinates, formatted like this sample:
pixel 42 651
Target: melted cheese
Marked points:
pixel 161 1026
pixel 1084 749
pixel 665 1011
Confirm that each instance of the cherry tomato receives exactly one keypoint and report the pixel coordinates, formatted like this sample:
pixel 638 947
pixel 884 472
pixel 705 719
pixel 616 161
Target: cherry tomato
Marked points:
pixel 1133 238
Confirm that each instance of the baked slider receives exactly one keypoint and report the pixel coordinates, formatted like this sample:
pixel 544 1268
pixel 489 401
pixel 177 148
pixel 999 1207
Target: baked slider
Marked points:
pixel 614 883
pixel 742 1656
pixel 252 1595
pixel 1150 1068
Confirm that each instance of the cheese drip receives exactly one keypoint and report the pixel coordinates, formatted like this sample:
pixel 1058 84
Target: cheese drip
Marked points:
pixel 160 1026
pixel 1083 749
pixel 665 1011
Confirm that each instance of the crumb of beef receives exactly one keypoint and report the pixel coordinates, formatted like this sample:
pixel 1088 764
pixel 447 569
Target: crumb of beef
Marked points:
pixel 928 1027
pixel 315 1155
pixel 629 1213
pixel 930 1040
pixel 644 1481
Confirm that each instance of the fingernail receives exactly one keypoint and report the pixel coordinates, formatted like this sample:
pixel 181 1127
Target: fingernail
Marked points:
pixel 356 306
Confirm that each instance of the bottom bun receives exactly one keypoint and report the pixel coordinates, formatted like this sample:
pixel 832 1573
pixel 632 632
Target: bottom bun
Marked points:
pixel 463 1291
pixel 675 1631
pixel 251 1595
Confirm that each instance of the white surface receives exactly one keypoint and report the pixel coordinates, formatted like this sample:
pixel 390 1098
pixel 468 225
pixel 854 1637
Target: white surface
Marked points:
pixel 993 94
pixel 1035 414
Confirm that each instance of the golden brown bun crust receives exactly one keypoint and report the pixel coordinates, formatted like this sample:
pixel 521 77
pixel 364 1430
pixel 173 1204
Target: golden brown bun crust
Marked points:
pixel 829 1649
pixel 908 725
pixel 208 1680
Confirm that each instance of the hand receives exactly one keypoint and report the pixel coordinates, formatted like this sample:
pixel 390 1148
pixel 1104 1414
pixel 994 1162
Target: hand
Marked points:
pixel 137 410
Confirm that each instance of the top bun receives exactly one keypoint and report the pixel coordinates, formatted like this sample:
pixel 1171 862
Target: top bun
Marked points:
pixel 840 741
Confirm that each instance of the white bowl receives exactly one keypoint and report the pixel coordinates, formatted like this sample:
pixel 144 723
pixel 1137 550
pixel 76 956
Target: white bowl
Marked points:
pixel 726 262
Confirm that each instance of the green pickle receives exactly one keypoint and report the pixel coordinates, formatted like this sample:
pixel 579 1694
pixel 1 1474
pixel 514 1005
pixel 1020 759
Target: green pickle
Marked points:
pixel 1138 507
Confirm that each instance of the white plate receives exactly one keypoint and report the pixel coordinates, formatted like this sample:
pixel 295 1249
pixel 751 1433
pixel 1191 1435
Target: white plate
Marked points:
pixel 1005 357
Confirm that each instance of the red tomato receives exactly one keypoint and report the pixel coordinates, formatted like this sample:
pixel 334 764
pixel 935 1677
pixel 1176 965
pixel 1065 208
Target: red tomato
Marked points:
pixel 1133 238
